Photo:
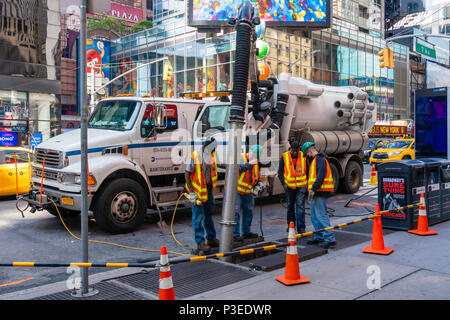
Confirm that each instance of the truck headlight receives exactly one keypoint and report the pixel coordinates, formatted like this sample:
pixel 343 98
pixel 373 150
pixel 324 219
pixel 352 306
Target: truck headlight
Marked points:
pixel 394 153
pixel 91 180
pixel 67 178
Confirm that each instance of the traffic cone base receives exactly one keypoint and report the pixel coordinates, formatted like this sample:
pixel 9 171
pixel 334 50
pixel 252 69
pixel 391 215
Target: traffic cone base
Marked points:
pixel 288 282
pixel 424 233
pixel 385 251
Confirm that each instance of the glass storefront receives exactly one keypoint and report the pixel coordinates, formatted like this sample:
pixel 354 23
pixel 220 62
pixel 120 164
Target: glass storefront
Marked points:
pixel 340 56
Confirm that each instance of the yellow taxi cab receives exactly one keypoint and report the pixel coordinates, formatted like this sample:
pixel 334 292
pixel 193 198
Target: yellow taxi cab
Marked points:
pixel 399 149
pixel 9 184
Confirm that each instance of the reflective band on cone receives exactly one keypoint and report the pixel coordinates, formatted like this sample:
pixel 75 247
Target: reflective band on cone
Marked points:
pixel 377 245
pixel 422 223
pixel 166 291
pixel 292 270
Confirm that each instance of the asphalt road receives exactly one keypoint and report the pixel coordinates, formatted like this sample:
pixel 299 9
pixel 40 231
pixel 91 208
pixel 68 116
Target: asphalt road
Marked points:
pixel 41 237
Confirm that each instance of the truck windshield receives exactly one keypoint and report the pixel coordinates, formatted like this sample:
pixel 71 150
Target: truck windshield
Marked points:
pixel 216 117
pixel 114 115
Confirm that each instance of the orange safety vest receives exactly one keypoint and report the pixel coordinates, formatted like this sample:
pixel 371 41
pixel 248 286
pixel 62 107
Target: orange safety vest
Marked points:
pixel 328 184
pixel 198 176
pixel 244 184
pixel 294 178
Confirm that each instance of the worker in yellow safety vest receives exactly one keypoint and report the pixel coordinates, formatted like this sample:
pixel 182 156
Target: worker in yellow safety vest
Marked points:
pixel 248 178
pixel 201 180
pixel 292 174
pixel 320 187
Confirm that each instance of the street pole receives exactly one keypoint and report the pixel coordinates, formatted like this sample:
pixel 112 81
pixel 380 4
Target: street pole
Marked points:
pixel 82 98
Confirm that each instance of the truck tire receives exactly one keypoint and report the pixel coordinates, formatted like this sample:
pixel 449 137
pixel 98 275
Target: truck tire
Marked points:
pixel 335 174
pixel 65 213
pixel 352 178
pixel 121 206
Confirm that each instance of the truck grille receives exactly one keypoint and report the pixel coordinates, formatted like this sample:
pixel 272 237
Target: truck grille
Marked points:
pixel 380 156
pixel 49 175
pixel 53 158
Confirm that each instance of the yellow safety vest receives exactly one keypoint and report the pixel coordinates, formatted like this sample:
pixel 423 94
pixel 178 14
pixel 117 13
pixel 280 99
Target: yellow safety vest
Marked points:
pixel 294 177
pixel 198 176
pixel 244 184
pixel 328 184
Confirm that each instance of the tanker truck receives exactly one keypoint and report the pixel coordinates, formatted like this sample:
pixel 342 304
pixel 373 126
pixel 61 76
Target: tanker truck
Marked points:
pixel 336 119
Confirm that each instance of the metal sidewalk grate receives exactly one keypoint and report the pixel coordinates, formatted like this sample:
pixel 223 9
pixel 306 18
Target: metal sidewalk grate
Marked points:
pixel 107 291
pixel 190 279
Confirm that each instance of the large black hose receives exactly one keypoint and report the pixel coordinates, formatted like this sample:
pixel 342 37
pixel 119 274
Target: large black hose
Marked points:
pixel 241 68
pixel 278 113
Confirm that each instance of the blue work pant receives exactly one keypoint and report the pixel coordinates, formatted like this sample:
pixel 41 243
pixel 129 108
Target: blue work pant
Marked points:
pixel 246 202
pixel 202 220
pixel 320 219
pixel 295 199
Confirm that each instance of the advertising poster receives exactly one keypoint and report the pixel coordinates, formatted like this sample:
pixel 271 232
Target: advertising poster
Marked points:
pixel 393 192
pixel 9 139
pixel 98 65
pixel 274 12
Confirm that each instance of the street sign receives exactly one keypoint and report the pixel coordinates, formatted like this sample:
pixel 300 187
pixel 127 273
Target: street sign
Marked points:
pixel 425 48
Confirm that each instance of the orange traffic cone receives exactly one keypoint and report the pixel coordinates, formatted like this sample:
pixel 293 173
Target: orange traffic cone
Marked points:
pixel 292 270
pixel 377 245
pixel 422 223
pixel 165 277
pixel 373 177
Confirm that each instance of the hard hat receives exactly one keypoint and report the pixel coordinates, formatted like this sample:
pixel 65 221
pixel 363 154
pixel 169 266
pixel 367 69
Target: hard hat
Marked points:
pixel 307 145
pixel 295 145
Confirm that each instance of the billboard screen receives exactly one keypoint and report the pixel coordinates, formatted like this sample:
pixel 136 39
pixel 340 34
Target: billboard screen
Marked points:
pixel 9 139
pixel 276 13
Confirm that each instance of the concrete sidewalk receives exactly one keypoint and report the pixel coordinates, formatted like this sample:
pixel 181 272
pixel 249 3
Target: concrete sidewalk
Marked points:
pixel 419 268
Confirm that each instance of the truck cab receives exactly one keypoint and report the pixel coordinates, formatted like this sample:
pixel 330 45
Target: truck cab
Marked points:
pixel 137 152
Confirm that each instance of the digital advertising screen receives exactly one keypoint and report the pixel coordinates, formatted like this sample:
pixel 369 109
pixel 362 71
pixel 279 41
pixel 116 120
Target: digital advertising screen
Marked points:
pixel 275 13
pixel 9 139
pixel 431 123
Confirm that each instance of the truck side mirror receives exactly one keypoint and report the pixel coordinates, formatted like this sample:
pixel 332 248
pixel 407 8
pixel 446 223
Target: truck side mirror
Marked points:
pixel 159 116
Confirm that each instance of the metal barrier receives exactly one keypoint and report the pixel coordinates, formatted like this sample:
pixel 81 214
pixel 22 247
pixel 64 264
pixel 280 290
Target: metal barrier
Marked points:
pixel 198 258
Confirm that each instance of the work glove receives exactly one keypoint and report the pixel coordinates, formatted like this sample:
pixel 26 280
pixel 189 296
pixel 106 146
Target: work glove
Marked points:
pixel 192 197
pixel 310 195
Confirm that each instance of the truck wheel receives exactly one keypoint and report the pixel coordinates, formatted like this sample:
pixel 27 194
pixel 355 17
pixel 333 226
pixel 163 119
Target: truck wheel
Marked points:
pixel 335 174
pixel 121 206
pixel 65 213
pixel 352 178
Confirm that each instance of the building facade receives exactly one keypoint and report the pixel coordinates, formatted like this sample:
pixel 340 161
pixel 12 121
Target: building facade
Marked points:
pixel 30 62
pixel 345 54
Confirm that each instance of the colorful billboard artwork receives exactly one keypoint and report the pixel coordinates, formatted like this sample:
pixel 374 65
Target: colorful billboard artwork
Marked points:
pixel 98 60
pixel 274 12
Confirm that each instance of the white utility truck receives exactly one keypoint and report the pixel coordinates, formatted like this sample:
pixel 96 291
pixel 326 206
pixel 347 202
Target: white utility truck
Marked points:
pixel 138 147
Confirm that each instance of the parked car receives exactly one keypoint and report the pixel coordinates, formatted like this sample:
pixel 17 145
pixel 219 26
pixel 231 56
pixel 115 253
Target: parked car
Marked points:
pixel 9 183
pixel 373 145
pixel 400 149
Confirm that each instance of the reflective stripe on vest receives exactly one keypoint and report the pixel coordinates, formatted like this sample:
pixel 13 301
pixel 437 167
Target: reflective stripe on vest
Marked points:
pixel 327 185
pixel 244 184
pixel 198 177
pixel 292 177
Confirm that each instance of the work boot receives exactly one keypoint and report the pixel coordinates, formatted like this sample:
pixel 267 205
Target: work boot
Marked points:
pixel 311 242
pixel 203 247
pixel 214 243
pixel 327 244
pixel 251 235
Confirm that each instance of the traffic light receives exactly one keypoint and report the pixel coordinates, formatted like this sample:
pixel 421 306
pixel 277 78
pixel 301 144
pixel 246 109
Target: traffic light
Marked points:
pixel 387 58
pixel 167 72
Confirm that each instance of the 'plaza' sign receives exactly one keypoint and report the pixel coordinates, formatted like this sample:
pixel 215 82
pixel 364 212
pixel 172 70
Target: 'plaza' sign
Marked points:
pixel 126 13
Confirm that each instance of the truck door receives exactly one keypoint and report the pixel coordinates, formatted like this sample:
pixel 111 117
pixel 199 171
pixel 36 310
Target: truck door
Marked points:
pixel 156 144
pixel 213 121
